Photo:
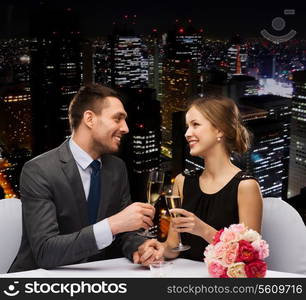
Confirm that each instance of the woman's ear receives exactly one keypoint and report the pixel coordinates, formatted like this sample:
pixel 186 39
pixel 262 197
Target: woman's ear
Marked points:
pixel 220 134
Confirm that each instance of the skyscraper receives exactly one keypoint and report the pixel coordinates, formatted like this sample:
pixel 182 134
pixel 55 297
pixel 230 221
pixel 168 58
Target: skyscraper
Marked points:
pixel 128 58
pixel 181 74
pixel 215 83
pixel 267 66
pixel 179 83
pixel 56 74
pixel 141 147
pixel 101 61
pixel 242 85
pixel 268 158
pixel 154 43
pixel 185 43
pixel 237 56
pixel 297 164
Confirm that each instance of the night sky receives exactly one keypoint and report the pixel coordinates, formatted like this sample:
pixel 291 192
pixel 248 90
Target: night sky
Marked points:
pixel 219 19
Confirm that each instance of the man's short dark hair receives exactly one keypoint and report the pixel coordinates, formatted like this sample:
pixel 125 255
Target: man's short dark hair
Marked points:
pixel 89 97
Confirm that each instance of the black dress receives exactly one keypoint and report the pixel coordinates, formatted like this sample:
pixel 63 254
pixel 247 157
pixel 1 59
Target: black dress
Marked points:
pixel 219 210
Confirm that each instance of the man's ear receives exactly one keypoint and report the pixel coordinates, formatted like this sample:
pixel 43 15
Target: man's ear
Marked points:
pixel 88 118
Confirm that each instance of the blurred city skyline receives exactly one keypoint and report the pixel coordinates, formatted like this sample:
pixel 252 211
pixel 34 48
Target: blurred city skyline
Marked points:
pixel 159 56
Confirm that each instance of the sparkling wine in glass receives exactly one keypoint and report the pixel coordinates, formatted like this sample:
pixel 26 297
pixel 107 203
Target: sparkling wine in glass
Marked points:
pixel 176 202
pixel 154 188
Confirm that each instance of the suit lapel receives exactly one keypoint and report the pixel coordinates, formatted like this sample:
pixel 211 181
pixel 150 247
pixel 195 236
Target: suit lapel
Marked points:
pixel 72 173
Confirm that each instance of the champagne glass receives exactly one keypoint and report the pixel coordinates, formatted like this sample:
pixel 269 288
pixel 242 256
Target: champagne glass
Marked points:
pixel 154 187
pixel 176 202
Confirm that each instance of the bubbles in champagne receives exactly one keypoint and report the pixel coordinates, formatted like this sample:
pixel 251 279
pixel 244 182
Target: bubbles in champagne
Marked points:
pixel 174 202
pixel 153 192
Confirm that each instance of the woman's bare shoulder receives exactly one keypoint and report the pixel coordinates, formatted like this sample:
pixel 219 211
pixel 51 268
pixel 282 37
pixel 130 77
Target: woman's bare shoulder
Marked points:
pixel 180 177
pixel 249 184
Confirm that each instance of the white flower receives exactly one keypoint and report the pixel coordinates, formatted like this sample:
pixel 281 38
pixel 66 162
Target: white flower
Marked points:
pixel 236 270
pixel 250 236
pixel 209 251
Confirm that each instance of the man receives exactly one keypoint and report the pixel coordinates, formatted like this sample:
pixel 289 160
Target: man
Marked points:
pixel 75 198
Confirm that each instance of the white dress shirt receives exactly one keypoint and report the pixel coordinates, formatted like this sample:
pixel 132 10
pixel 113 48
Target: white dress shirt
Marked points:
pixel 102 231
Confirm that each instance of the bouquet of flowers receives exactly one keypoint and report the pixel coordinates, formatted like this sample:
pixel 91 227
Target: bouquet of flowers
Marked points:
pixel 237 252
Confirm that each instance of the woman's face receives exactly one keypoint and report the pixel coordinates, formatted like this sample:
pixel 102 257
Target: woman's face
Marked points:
pixel 201 135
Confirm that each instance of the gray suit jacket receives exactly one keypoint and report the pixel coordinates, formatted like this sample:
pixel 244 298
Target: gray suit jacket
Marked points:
pixel 55 223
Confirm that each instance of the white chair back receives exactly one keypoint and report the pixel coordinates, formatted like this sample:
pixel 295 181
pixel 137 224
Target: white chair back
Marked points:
pixel 284 230
pixel 10 231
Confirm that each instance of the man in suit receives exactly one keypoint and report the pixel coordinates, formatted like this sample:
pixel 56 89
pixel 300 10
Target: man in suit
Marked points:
pixel 75 198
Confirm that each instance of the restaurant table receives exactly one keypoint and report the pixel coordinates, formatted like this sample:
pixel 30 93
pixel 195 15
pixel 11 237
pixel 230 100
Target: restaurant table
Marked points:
pixel 123 268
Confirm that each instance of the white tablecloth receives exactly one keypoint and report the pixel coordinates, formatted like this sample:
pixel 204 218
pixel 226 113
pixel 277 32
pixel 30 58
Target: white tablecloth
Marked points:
pixel 123 268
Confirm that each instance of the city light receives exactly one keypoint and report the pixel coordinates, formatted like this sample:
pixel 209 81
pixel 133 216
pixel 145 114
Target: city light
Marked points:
pixel 162 67
pixel 4 182
pixel 274 87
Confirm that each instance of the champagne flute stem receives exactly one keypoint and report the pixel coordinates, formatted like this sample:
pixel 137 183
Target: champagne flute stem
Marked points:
pixel 180 239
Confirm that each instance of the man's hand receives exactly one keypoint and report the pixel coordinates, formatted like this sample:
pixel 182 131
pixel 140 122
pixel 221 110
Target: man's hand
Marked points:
pixel 148 252
pixel 133 217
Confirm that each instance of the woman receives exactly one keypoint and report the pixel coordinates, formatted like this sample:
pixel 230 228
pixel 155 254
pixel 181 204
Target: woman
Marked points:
pixel 222 194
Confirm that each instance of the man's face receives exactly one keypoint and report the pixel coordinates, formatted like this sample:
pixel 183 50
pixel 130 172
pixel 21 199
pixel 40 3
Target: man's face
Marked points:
pixel 109 126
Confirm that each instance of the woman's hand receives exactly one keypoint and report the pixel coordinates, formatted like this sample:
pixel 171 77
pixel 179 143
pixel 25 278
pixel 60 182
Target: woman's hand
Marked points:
pixel 187 222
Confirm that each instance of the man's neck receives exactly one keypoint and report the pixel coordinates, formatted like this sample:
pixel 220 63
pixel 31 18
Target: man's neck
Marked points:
pixel 85 144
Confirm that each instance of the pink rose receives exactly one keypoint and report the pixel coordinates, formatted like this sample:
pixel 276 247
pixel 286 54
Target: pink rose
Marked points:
pixel 216 238
pixel 231 253
pixel 246 252
pixel 220 250
pixel 229 236
pixel 215 269
pixel 256 269
pixel 239 228
pixel 262 248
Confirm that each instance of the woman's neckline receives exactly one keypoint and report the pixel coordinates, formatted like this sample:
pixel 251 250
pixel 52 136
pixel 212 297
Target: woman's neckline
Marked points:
pixel 212 194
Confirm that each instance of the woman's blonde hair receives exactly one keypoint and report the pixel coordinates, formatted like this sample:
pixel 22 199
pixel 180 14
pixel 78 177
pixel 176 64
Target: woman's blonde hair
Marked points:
pixel 224 114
